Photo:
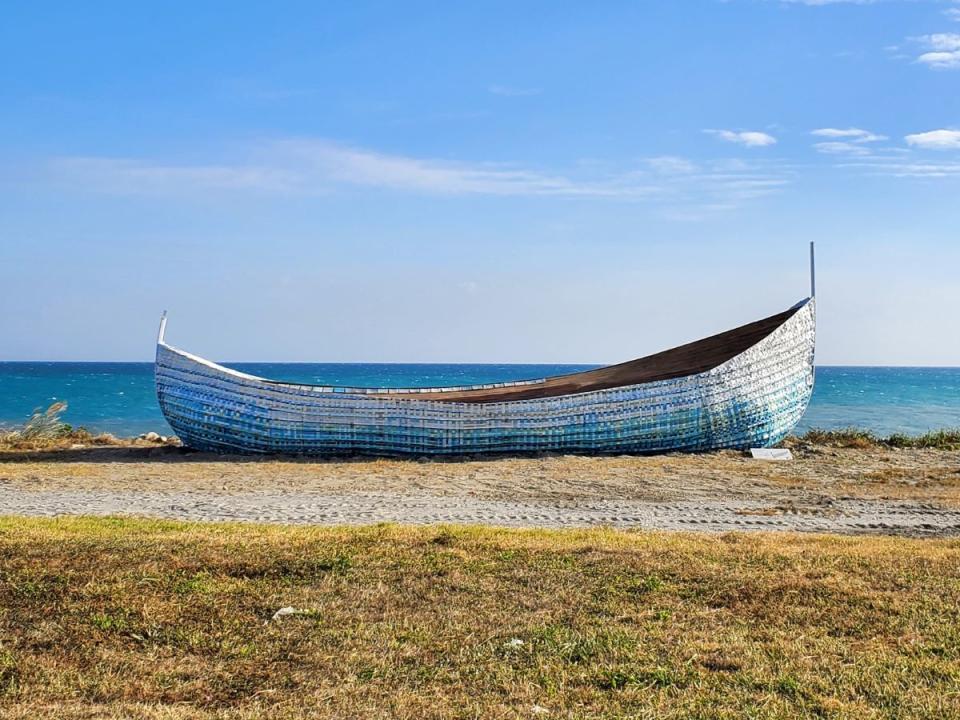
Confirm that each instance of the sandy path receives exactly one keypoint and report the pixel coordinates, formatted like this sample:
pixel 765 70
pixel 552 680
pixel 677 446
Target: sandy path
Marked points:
pixel 843 516
pixel 914 492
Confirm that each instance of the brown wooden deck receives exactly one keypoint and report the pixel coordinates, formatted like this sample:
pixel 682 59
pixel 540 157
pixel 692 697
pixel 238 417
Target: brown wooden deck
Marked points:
pixel 689 359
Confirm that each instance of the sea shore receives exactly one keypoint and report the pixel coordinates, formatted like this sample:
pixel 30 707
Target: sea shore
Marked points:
pixel 866 489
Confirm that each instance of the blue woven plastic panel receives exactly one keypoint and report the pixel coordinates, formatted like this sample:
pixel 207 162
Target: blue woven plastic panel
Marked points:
pixel 752 400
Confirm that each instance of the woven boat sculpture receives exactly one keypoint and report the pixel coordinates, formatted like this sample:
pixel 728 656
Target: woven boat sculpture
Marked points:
pixel 744 388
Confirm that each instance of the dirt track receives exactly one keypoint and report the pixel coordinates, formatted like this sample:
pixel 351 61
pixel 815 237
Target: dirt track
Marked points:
pixel 885 490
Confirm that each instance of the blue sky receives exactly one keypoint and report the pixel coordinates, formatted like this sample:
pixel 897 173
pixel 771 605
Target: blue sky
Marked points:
pixel 492 181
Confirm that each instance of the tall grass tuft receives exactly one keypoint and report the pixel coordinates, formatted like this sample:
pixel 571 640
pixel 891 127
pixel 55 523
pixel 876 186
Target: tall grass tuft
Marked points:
pixel 850 437
pixel 44 424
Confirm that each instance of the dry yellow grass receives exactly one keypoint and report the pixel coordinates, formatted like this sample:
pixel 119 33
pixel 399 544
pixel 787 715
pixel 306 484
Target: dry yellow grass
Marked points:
pixel 137 618
pixel 818 471
pixel 64 439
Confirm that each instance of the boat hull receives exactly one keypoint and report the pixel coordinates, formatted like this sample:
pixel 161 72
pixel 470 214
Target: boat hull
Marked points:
pixel 753 399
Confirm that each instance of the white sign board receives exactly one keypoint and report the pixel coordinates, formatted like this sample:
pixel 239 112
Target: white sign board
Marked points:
pixel 771 454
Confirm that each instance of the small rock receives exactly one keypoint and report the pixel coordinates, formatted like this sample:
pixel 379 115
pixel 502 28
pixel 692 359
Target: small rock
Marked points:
pixel 163 438
pixel 285 611
pixel 77 446
pixel 540 710
pixel 151 437
pixel 515 642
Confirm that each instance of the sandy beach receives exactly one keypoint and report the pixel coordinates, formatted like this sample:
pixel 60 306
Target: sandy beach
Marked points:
pixel 876 490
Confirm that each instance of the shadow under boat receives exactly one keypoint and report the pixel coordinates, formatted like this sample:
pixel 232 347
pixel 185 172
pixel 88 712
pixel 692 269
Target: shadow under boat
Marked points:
pixel 171 454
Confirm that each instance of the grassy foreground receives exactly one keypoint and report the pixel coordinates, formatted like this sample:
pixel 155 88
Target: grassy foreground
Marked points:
pixel 138 618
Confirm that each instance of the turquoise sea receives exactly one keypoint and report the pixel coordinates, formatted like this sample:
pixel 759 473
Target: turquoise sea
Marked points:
pixel 119 397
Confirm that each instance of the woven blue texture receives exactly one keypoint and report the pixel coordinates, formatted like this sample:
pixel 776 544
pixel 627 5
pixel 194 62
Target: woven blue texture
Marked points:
pixel 752 400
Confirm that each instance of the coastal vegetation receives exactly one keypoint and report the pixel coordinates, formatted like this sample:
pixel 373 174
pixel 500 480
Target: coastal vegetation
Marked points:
pixel 46 430
pixel 124 617
pixel 944 439
pixel 63 438
pixel 42 425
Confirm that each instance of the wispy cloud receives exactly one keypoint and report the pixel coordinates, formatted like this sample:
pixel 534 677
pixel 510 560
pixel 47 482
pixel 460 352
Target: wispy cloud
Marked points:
pixel 841 148
pixel 908 163
pixel 508 91
pixel 935 140
pixel 672 165
pixel 856 135
pixel 326 162
pixel 943 51
pixel 905 168
pixel 130 176
pixel 717 183
pixel 747 138
pixel 700 191
pixel 895 162
pixel 310 166
pixel 304 166
pixel 845 141
pixel 953 13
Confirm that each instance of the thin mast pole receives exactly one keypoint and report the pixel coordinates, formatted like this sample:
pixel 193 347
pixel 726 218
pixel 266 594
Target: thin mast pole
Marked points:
pixel 813 273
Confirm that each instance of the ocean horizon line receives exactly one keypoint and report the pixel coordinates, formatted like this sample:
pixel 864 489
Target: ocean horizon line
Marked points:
pixel 854 366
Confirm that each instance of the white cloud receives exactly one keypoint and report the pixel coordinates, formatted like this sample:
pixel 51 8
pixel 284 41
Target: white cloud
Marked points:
pixel 943 50
pixel 942 41
pixel 748 138
pixel 953 14
pixel 941 60
pixel 935 140
pixel 855 135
